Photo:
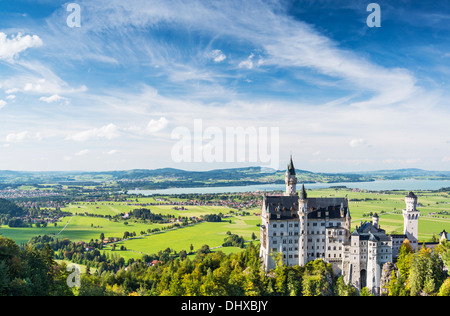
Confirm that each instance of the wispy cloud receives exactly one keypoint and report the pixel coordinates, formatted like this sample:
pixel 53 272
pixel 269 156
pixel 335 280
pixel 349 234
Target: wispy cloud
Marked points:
pixel 109 132
pixel 54 98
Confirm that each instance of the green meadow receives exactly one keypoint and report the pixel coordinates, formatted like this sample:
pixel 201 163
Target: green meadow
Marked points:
pixel 387 205
pixel 212 234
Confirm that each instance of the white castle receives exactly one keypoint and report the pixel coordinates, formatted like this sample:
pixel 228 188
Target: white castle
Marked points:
pixel 302 229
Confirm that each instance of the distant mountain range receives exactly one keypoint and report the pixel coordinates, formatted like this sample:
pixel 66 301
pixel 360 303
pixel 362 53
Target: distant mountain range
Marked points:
pixel 170 177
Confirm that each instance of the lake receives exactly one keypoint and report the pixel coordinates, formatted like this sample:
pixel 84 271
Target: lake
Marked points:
pixel 408 184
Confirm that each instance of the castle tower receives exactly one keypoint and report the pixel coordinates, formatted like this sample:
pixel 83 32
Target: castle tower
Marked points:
pixel 348 223
pixel 375 219
pixel 303 218
pixel 290 179
pixel 411 219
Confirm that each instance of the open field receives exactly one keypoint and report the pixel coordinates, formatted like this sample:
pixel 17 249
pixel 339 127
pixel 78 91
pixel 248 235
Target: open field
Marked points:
pixel 212 234
pixel 115 208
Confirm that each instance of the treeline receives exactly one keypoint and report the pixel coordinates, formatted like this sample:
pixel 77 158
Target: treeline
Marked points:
pixel 240 274
pixel 216 274
pixel 10 209
pixel 146 214
pixel 30 272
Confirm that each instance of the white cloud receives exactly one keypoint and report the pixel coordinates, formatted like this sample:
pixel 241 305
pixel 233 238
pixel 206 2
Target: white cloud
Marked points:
pixel 11 91
pixel 357 142
pixel 412 160
pixel 218 56
pixel 54 98
pixel 248 63
pixel 10 97
pixel 82 152
pixel 2 104
pixel 113 152
pixel 156 126
pixel 11 47
pixel 17 137
pixel 109 132
pixel 23 136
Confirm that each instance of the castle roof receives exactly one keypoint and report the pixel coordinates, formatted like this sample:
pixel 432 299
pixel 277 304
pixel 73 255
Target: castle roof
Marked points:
pixel 286 207
pixel 367 227
pixel 303 194
pixel 411 194
pixel 369 232
pixel 290 168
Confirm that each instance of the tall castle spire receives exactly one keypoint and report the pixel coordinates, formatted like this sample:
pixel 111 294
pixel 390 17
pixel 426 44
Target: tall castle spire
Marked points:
pixel 290 179
pixel 290 167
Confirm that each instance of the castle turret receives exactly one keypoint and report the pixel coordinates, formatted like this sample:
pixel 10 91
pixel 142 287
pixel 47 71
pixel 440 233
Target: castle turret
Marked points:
pixel 375 220
pixel 290 179
pixel 411 219
pixel 348 223
pixel 303 218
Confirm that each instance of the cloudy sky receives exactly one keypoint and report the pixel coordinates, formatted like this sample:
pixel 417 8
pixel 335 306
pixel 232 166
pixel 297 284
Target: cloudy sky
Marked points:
pixel 109 94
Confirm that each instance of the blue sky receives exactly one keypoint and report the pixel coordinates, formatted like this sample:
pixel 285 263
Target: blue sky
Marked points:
pixel 107 95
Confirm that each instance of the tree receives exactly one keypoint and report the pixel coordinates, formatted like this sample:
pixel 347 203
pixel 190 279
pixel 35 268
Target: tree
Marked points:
pixel 426 274
pixel 342 289
pixel 443 249
pixel 365 292
pixel 445 288
pixel 317 279
pixel 404 266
